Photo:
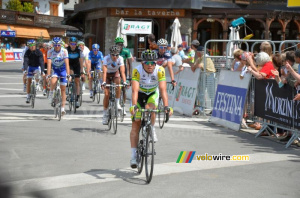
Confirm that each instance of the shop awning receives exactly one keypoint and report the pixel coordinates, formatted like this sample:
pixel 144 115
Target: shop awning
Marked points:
pixel 27 31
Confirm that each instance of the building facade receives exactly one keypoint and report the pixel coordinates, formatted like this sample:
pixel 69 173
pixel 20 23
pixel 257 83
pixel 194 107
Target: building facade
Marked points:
pixel 43 24
pixel 200 19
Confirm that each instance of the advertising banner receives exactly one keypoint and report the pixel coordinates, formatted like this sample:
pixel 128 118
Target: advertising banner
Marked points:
pixel 136 27
pixel 18 54
pixel 230 99
pixel 6 33
pixel 184 94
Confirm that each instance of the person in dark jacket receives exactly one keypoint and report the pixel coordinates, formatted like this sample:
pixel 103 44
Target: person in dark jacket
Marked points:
pixel 33 63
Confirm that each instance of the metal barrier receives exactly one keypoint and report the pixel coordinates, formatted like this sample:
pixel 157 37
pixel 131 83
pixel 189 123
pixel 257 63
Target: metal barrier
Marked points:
pixel 207 83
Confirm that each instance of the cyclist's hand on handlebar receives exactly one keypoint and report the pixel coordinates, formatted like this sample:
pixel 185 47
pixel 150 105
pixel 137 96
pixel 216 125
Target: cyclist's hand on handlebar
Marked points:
pixel 125 84
pixel 169 110
pixel 48 77
pixel 174 83
pixel 69 77
pixel 133 109
pixel 103 85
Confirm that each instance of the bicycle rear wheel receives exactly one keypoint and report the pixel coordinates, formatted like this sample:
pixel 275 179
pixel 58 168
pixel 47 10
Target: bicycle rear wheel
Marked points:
pixel 149 155
pixel 140 149
pixel 161 113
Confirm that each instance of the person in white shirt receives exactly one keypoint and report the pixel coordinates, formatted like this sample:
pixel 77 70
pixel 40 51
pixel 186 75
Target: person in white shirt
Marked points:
pixel 113 67
pixel 85 56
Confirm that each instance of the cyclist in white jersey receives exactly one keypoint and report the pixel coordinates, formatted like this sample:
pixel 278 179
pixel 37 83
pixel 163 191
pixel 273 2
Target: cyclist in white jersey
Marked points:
pixel 58 59
pixel 85 57
pixel 111 65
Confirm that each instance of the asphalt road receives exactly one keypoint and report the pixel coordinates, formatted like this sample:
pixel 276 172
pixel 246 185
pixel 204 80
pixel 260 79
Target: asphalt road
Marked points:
pixel 79 157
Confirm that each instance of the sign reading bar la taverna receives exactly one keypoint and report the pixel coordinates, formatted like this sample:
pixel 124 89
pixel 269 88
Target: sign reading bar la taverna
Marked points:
pixel 7 33
pixel 147 12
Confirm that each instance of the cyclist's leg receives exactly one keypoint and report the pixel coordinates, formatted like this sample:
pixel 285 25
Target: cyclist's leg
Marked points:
pixel 76 71
pixel 152 103
pixel 30 74
pixel 63 83
pixel 92 78
pixel 134 134
pixel 44 77
pixel 117 80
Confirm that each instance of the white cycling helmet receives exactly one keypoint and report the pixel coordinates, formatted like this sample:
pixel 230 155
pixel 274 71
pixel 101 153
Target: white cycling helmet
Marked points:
pixel 162 41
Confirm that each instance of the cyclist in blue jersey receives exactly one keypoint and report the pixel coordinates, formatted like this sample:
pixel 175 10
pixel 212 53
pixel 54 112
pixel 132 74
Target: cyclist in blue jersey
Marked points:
pixel 165 58
pixel 58 60
pixel 76 64
pixel 95 62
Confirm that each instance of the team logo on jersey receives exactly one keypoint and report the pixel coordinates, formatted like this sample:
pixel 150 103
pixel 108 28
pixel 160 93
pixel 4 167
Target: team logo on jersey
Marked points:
pixel 153 78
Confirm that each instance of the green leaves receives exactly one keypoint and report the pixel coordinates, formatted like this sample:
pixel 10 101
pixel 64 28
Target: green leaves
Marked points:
pixel 17 6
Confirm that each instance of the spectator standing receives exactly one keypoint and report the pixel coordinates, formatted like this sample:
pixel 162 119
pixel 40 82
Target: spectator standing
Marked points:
pixel 177 61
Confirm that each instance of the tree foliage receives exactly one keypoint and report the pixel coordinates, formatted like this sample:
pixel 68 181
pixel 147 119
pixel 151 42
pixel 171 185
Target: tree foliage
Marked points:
pixel 14 5
pixel 28 7
pixel 17 6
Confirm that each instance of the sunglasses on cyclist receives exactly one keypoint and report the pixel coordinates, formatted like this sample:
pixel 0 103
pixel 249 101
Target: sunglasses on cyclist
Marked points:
pixel 56 45
pixel 95 49
pixel 73 44
pixel 149 63
pixel 120 44
pixel 162 47
pixel 31 45
pixel 114 55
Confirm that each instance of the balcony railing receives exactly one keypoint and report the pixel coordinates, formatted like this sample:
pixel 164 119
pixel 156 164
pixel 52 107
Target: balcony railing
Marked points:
pixel 23 18
pixel 264 2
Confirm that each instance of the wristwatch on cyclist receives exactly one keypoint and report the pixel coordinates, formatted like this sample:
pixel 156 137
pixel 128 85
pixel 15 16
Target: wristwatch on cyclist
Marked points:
pixel 68 76
pixel 173 81
pixel 81 73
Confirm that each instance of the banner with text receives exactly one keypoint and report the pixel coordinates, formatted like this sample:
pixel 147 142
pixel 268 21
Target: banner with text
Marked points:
pixel 184 94
pixel 230 99
pixel 136 27
pixel 274 103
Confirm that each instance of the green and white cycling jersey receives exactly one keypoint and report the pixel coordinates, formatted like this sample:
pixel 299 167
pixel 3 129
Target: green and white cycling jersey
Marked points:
pixel 148 82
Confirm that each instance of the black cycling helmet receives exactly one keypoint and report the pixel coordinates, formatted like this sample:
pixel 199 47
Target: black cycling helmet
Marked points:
pixel 149 55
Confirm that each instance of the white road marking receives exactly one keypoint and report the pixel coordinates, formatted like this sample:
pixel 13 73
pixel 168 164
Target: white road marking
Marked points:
pixel 9 89
pixel 96 177
pixel 11 83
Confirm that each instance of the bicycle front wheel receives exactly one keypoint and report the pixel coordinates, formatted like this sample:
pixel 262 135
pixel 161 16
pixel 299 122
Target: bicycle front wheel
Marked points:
pixel 161 113
pixel 94 90
pixel 58 105
pixel 32 95
pixel 140 149
pixel 80 96
pixel 122 105
pixel 115 121
pixel 70 99
pixel 149 155
pixel 98 92
pixel 74 96
pixel 109 119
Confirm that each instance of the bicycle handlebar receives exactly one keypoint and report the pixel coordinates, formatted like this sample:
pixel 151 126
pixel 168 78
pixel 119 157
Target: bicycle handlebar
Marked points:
pixel 171 84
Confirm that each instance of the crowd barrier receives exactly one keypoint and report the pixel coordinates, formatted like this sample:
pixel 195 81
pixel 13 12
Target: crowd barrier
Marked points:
pixel 11 55
pixel 206 101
